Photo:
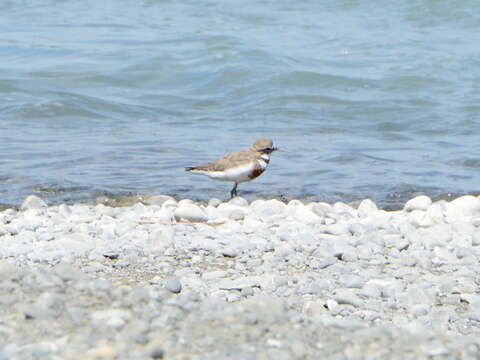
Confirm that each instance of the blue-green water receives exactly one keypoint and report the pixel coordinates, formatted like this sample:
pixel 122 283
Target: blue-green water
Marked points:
pixel 374 99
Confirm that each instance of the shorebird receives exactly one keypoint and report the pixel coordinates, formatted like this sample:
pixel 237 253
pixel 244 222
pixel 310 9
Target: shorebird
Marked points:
pixel 241 166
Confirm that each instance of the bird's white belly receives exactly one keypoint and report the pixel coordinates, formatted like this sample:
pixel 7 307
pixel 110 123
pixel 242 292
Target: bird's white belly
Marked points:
pixel 237 174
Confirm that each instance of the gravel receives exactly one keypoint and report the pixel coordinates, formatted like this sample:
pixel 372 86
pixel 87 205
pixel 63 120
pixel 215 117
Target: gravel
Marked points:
pixel 266 280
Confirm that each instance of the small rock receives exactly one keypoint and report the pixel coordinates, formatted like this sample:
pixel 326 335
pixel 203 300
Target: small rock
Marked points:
pixel 366 208
pixel 266 209
pixel 238 201
pixel 48 304
pixel 345 296
pixel 190 212
pixel 33 202
pixel 419 310
pixel 173 285
pixel 421 202
pixel 304 214
pixel 331 304
pixel 155 349
pixel 165 214
pixel 170 204
pixel 111 255
pixel 214 202
pixel 321 209
pixel 342 208
pixel 472 299
pixel 238 284
pixel 45 236
pixel 229 252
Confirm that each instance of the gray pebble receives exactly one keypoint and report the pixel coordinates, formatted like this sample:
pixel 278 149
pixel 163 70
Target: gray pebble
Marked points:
pixel 190 212
pixel 230 252
pixel 156 352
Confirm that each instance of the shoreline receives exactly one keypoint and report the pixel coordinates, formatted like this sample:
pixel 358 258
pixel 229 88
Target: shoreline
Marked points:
pixel 240 280
pixel 129 199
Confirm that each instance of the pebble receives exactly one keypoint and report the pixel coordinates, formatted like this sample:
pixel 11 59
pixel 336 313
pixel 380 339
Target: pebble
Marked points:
pixel 214 202
pixel 230 252
pixel 467 206
pixel 33 202
pixel 173 285
pixel 367 207
pixel 267 208
pixel 346 296
pixel 238 201
pixel 190 212
pixel 421 202
pixel 155 349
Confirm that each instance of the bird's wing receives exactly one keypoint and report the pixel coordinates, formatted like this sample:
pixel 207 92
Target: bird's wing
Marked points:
pixel 234 159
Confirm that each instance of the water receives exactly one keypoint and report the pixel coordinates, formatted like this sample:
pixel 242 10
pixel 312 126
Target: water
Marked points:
pixel 369 99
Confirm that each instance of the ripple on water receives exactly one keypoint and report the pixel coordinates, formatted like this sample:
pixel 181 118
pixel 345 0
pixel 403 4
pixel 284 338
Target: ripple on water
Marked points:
pixel 118 99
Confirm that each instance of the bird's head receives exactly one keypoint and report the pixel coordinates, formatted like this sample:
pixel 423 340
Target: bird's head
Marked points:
pixel 264 146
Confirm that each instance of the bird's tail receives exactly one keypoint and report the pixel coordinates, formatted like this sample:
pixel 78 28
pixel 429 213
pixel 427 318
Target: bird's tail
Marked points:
pixel 199 168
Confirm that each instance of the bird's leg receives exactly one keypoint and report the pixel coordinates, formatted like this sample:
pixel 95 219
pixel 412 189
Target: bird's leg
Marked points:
pixel 233 193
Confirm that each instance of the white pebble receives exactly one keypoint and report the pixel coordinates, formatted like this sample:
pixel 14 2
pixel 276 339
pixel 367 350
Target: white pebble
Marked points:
pixel 33 202
pixel 421 202
pixel 173 285
pixel 190 212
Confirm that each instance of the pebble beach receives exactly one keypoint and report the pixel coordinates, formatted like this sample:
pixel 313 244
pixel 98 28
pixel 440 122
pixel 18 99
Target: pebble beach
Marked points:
pixel 172 279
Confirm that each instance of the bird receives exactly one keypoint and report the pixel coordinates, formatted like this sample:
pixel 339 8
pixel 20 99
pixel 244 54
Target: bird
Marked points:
pixel 238 167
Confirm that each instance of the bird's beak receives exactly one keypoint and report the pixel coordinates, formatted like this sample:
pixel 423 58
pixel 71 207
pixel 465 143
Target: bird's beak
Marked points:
pixel 277 149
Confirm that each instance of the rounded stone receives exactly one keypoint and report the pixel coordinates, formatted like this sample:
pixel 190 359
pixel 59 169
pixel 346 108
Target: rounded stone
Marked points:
pixel 214 202
pixel 155 349
pixel 268 208
pixel 230 252
pixel 366 208
pixel 173 285
pixel 321 209
pixel 33 202
pixel 421 202
pixel 464 206
pixel 238 201
pixel 190 212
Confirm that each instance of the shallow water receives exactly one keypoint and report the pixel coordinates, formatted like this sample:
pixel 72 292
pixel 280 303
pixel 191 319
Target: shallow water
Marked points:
pixel 367 99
